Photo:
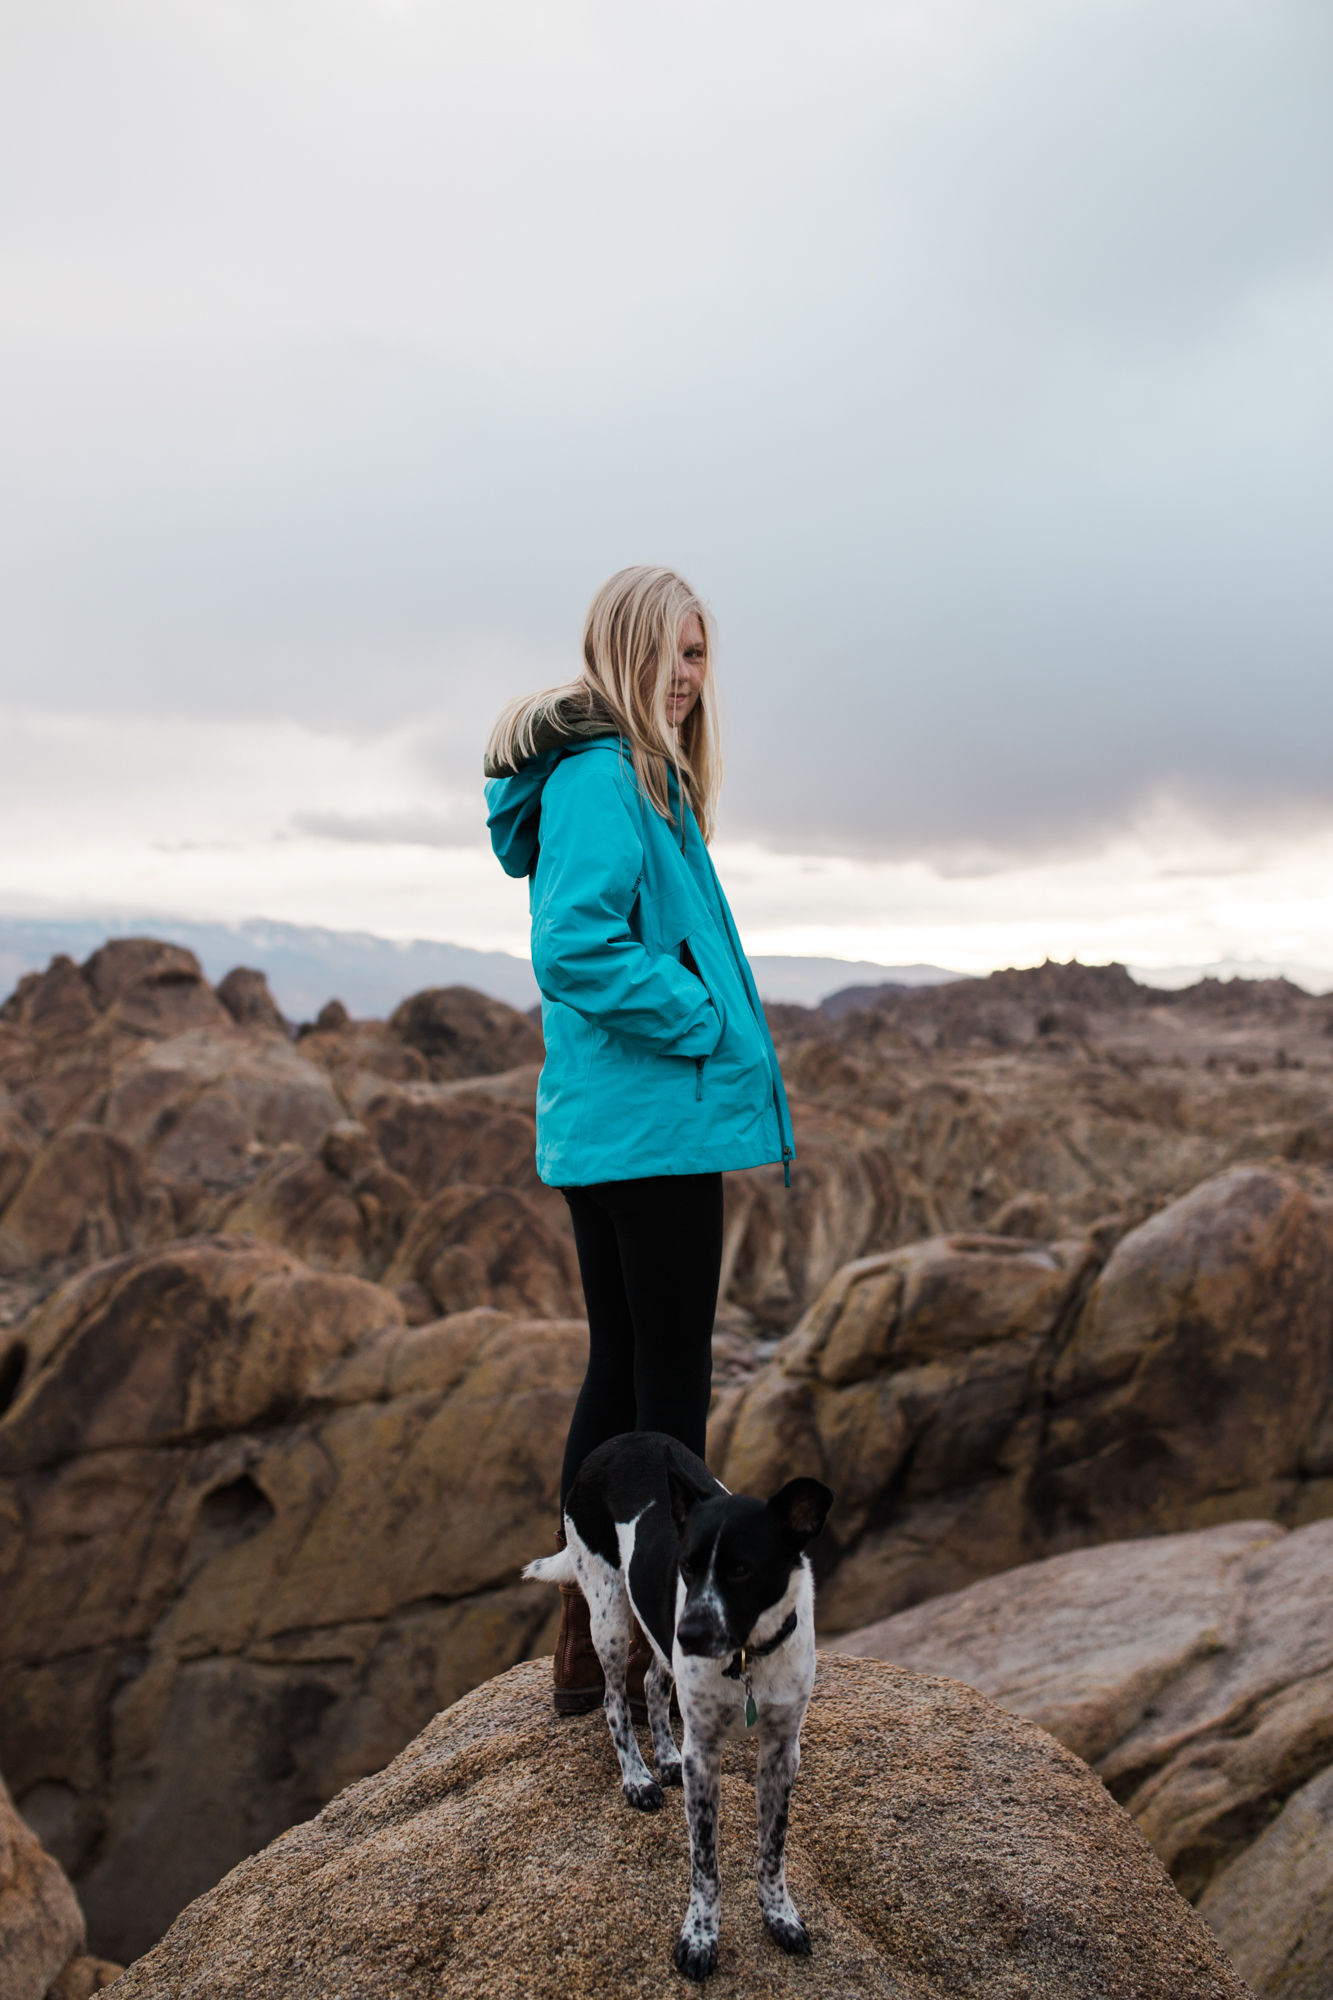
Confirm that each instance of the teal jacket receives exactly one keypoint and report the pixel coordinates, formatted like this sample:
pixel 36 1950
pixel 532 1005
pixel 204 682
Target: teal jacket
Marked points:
pixel 649 1069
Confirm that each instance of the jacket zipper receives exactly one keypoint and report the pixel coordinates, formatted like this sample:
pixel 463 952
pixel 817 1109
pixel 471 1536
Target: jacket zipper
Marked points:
pixel 699 1079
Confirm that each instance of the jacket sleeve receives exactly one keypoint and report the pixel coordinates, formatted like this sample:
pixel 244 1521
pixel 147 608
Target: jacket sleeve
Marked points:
pixel 582 951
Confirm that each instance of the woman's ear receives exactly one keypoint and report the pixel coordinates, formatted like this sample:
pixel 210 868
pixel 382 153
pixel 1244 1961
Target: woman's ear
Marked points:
pixel 802 1509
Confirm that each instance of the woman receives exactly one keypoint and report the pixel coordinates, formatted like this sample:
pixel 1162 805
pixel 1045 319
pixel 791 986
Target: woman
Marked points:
pixel 660 1072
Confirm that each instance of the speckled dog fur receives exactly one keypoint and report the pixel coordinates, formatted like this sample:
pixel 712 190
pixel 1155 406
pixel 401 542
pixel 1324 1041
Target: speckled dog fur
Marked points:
pixel 650 1534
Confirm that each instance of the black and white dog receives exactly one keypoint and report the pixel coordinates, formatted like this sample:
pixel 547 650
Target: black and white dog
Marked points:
pixel 722 1588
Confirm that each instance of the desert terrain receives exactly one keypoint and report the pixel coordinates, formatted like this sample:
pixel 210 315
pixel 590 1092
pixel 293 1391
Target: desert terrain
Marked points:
pixel 290 1333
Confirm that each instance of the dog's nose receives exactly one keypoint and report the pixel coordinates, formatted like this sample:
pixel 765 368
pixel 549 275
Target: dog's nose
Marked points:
pixel 700 1632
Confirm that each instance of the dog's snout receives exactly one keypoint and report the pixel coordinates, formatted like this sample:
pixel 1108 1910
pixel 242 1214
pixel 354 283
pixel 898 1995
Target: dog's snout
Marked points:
pixel 702 1632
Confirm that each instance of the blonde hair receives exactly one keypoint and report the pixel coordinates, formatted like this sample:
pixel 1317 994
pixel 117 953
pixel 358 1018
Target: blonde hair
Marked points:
pixel 631 637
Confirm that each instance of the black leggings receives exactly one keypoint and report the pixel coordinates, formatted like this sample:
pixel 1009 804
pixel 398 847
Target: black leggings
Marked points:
pixel 650 1255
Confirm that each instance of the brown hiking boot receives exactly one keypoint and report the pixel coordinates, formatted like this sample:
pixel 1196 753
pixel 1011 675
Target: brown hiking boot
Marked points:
pixel 580 1683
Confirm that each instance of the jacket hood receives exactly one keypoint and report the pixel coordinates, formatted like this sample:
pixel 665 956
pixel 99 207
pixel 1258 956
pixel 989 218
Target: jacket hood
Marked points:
pixel 565 719
pixel 515 802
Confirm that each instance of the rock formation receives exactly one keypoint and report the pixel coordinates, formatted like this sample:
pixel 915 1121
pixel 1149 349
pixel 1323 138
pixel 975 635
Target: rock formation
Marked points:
pixel 1273 1907
pixel 1194 1673
pixel 41 1925
pixel 254 1530
pixel 938 1849
pixel 289 1332
pixel 976 1401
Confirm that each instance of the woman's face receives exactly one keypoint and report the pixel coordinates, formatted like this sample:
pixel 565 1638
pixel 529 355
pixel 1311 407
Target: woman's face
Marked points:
pixel 687 675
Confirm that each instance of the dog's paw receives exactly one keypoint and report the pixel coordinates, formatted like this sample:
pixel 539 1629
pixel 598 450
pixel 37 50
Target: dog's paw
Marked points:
pixel 696 1957
pixel 790 1933
pixel 671 1774
pixel 647 1796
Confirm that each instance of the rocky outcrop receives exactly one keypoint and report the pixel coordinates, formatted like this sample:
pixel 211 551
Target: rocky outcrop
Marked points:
pixel 781 1246
pixel 41 1925
pixel 938 1849
pixel 461 1032
pixel 42 1954
pixel 254 1531
pixel 82 1198
pixel 1273 1908
pixel 245 995
pixel 1195 1674
pixel 1069 1083
pixel 1199 1368
pixel 976 1401
pixel 355 1214
pixel 134 1109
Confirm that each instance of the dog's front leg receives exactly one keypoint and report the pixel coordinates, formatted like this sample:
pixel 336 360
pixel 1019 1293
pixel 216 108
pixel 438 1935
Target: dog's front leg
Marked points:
pixel 779 1760
pixel 657 1693
pixel 696 1947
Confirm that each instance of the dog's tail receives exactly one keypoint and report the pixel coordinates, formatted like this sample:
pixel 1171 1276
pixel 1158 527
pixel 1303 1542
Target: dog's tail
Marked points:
pixel 551 1569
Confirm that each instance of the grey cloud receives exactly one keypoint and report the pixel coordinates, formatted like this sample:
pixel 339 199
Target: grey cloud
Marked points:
pixel 411 829
pixel 985 395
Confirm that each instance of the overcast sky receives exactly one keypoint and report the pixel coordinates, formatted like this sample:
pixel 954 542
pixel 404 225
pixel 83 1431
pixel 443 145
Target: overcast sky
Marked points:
pixel 972 357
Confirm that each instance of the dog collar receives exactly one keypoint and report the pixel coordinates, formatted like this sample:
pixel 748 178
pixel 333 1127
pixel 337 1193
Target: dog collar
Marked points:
pixel 740 1661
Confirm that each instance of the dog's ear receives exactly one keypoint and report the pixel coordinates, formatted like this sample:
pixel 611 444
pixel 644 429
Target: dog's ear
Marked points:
pixel 802 1509
pixel 685 1495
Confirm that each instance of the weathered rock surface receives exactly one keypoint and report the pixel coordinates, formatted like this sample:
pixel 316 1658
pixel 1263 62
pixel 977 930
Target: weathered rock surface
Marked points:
pixel 81 1199
pixel 135 1108
pixel 976 1401
pixel 254 1530
pixel 1071 1083
pixel 41 1924
pixel 245 995
pixel 974 1418
pixel 781 1246
pixel 1273 1907
pixel 83 1977
pixel 938 1849
pixel 1194 1673
pixel 461 1032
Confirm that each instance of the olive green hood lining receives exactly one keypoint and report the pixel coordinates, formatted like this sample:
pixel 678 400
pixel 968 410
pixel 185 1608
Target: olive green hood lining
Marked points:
pixel 569 718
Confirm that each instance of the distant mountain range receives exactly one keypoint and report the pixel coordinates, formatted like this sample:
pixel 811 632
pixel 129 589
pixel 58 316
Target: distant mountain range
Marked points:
pixel 306 966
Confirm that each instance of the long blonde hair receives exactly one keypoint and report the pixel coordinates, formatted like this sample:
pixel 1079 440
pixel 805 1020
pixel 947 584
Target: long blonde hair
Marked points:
pixel 630 641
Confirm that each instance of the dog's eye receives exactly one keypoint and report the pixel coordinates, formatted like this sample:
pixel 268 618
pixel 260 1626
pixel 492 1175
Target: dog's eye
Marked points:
pixel 687 1571
pixel 737 1572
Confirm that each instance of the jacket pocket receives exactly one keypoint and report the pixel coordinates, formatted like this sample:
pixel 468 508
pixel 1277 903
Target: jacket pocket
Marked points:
pixel 667 921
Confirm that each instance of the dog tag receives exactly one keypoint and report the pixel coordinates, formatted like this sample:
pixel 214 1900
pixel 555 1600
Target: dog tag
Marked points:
pixel 751 1712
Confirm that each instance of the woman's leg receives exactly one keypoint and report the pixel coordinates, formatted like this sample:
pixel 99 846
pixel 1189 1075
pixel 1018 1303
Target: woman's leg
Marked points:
pixel 606 1403
pixel 669 1233
pixel 650 1254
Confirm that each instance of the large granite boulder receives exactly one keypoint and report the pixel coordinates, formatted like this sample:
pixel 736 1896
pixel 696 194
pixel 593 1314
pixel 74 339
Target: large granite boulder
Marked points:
pixel 139 986
pixel 461 1032
pixel 1198 1368
pixel 1194 1672
pixel 976 1401
pixel 903 1388
pixel 938 1849
pixel 245 995
pixel 254 1531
